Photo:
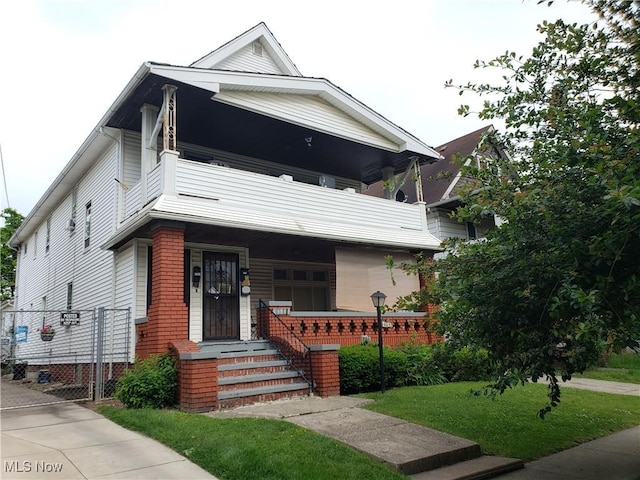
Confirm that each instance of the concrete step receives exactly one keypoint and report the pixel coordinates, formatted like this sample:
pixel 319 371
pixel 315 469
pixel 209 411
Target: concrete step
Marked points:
pixel 233 347
pixel 258 391
pixel 475 469
pixel 230 367
pixel 258 377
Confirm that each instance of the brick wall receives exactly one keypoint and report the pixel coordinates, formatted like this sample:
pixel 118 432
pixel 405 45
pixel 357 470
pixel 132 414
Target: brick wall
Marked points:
pixel 349 329
pixel 326 371
pixel 197 378
pixel 167 315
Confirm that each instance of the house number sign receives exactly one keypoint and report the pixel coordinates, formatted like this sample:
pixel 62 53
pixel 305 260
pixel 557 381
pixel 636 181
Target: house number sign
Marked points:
pixel 70 318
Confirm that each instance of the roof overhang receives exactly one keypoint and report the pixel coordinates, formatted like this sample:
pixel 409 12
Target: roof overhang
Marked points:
pixel 214 122
pixel 188 210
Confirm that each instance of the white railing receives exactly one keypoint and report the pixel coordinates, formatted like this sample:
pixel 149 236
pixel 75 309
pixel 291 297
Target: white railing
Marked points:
pixel 259 193
pixel 132 200
pixel 262 193
pixel 133 196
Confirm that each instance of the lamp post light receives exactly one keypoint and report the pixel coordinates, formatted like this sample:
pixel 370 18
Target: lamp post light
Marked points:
pixel 378 299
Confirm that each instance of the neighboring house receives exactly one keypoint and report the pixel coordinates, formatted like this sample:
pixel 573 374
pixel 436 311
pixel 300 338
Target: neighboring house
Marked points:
pixel 207 188
pixel 441 184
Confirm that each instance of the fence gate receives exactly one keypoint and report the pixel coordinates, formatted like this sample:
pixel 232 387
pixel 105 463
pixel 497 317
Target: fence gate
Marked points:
pixel 55 356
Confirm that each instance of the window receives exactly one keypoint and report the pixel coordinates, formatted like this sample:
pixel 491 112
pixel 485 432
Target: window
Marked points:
pixel 48 237
pixel 69 295
pixel 471 231
pixel 257 48
pixel 26 244
pixel 35 244
pixel 87 225
pixel 74 203
pixel 44 311
pixel 308 290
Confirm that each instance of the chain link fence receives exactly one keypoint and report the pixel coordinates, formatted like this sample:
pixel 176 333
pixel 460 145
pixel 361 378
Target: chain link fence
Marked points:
pixel 53 356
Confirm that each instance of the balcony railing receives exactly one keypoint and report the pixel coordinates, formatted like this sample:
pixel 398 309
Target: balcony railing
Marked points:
pixel 308 208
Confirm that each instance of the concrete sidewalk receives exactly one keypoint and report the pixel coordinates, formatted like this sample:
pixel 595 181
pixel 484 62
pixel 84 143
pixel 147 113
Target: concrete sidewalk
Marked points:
pixel 68 441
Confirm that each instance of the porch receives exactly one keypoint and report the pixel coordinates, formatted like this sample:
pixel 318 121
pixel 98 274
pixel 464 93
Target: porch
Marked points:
pixel 285 358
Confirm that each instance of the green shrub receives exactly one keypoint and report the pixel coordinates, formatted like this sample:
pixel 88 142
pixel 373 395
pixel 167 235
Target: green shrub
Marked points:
pixel 462 364
pixel 151 383
pixel 360 368
pixel 421 367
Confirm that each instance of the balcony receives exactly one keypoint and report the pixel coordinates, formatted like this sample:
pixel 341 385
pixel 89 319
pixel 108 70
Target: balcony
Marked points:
pixel 219 195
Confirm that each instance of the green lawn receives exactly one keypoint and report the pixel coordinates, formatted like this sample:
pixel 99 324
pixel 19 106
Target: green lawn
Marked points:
pixel 508 425
pixel 620 368
pixel 249 448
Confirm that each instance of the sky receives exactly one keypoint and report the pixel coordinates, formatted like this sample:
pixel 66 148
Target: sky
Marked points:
pixel 64 62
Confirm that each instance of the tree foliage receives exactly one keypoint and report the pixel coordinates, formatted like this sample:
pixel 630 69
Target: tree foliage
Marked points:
pixel 12 220
pixel 560 280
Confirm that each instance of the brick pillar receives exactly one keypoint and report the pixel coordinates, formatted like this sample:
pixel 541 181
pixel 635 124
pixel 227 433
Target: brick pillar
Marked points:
pixel 197 378
pixel 326 369
pixel 168 318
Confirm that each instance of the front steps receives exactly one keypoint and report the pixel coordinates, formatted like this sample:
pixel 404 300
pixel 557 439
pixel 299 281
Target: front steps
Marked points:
pixel 253 371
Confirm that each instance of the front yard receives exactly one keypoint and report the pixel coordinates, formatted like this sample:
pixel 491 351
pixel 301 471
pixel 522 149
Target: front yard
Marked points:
pixel 245 448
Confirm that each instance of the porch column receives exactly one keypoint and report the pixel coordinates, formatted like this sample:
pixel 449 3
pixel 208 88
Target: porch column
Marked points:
pixel 168 317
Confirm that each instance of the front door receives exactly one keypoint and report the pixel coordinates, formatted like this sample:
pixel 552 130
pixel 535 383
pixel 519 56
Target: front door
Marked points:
pixel 221 300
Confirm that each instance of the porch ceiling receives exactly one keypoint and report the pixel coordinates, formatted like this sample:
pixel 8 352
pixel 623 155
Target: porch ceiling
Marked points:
pixel 202 121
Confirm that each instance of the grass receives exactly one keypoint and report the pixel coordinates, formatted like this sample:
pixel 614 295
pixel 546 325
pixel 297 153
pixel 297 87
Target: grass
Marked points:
pixel 508 425
pixel 249 448
pixel 620 368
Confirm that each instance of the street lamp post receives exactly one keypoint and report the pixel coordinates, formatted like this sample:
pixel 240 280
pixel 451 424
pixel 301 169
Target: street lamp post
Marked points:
pixel 378 299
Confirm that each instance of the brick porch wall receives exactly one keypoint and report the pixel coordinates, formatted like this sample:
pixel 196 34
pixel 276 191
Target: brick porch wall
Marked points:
pixel 197 378
pixel 167 317
pixel 325 333
pixel 331 328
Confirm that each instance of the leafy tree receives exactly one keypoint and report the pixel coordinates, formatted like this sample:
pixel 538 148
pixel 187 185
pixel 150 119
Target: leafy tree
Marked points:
pixel 560 280
pixel 12 220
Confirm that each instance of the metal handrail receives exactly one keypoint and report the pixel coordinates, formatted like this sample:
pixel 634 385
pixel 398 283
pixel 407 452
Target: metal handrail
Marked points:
pixel 298 358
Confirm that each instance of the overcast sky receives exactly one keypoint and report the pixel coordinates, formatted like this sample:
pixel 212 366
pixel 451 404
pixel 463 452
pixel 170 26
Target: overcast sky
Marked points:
pixel 64 62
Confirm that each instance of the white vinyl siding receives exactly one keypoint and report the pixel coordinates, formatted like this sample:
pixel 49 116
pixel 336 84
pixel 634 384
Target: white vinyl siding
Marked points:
pixel 140 309
pixel 131 164
pixel 90 271
pixel 308 111
pixel 245 60
pixel 125 278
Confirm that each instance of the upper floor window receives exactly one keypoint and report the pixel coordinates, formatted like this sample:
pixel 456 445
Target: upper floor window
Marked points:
pixel 87 225
pixel 74 203
pixel 35 244
pixel 47 241
pixel 471 231
pixel 69 295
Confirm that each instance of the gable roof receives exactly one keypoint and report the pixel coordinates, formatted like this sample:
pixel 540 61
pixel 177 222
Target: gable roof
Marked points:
pixel 355 132
pixel 440 178
pixel 239 55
